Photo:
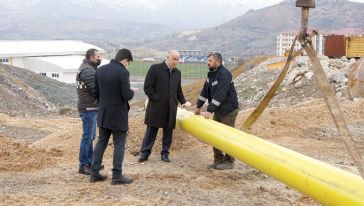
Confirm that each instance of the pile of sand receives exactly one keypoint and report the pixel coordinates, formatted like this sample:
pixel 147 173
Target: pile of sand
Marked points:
pixel 19 157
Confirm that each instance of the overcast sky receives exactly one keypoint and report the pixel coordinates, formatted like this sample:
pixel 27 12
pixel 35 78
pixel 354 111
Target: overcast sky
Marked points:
pixel 177 14
pixel 253 4
pixel 198 13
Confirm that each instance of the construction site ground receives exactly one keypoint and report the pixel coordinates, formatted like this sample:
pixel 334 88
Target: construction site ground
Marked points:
pixel 39 161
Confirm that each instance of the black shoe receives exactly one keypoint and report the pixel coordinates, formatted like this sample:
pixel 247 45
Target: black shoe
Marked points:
pixel 86 170
pixel 213 165
pixel 165 158
pixel 97 178
pixel 143 158
pixel 121 180
pixel 227 165
pixel 101 168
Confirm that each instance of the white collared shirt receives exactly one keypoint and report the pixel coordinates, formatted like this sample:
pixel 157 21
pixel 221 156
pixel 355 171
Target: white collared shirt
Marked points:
pixel 170 68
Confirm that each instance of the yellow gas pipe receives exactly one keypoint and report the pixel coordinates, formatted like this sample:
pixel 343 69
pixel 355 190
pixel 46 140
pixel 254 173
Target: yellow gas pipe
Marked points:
pixel 325 183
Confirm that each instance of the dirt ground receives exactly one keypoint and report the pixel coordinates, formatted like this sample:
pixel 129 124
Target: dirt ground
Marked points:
pixel 39 162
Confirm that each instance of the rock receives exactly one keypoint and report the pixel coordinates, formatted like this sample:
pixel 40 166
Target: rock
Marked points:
pixel 303 70
pixel 65 110
pixel 298 84
pixel 302 60
pixel 351 63
pixel 324 57
pixel 345 81
pixel 346 70
pixel 330 77
pixel 325 64
pixel 339 94
pixel 309 75
pixel 339 78
pixel 337 64
pixel 298 78
pixel 344 59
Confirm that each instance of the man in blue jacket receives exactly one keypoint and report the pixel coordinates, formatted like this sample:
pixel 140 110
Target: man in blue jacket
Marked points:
pixel 112 89
pixel 223 104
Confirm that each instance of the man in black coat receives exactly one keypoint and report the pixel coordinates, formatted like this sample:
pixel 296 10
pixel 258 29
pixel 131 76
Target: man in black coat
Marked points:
pixel 162 85
pixel 112 89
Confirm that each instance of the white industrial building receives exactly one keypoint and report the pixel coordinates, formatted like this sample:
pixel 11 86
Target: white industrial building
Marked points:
pixel 285 40
pixel 56 59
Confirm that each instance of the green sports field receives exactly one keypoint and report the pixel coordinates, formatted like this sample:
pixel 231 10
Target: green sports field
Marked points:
pixel 189 70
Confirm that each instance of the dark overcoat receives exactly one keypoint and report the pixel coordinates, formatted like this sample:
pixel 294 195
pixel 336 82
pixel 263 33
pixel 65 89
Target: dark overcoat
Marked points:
pixel 164 91
pixel 112 89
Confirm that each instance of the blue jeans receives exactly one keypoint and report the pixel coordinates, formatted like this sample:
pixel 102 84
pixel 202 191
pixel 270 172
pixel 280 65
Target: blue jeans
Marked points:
pixel 88 135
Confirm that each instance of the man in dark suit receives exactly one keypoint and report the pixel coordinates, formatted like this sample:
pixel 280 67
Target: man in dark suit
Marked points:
pixel 162 85
pixel 112 89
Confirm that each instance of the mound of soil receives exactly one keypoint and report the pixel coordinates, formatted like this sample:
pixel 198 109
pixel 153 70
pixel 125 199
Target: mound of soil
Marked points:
pixel 17 157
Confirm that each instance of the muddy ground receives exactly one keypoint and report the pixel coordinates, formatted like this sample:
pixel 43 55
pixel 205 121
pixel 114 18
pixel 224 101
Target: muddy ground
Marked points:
pixel 39 161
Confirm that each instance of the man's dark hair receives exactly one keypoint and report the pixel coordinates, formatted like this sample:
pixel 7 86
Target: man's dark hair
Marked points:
pixel 90 53
pixel 217 56
pixel 124 54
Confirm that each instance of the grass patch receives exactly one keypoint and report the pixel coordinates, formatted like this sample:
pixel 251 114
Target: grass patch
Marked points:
pixel 188 70
pixel 192 91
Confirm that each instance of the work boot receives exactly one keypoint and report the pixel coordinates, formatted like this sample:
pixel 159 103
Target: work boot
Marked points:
pixel 229 158
pixel 165 158
pixel 218 159
pixel 97 178
pixel 85 170
pixel 143 158
pixel 227 165
pixel 121 180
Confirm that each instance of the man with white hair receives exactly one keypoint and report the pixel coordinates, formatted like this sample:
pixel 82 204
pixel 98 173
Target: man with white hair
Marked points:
pixel 162 85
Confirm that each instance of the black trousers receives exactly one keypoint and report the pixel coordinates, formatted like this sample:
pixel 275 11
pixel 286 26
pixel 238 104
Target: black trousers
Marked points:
pixel 119 138
pixel 149 139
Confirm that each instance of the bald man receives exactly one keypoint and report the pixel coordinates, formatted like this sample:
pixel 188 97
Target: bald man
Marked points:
pixel 162 85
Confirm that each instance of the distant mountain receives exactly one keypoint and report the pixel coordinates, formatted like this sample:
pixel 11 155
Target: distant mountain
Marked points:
pixel 109 23
pixel 178 15
pixel 81 20
pixel 255 32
